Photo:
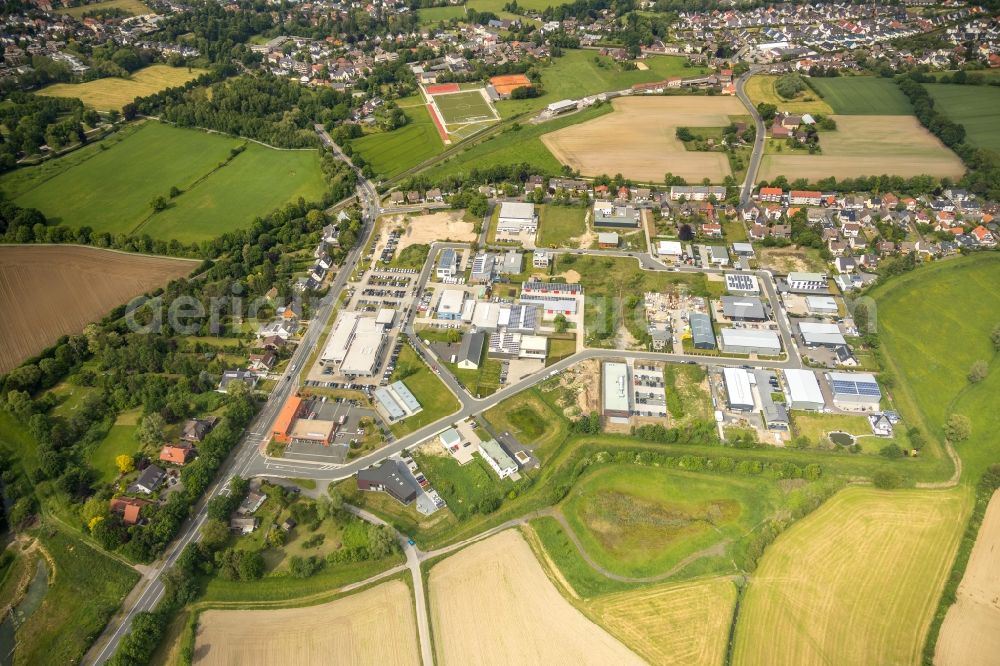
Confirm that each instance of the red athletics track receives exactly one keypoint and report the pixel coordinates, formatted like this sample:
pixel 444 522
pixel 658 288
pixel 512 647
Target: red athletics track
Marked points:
pixel 442 88
pixel 438 124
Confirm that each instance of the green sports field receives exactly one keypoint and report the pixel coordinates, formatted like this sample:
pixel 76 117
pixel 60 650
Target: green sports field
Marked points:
pixel 975 107
pixel 390 153
pixel 643 521
pixel 464 107
pixel 111 190
pixel 862 96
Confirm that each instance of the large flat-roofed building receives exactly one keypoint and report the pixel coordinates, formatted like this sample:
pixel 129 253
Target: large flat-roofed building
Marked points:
pixel 742 283
pixel 743 308
pixel 366 349
pixel 818 334
pixel 854 390
pixel 522 317
pixel 534 346
pixel 807 282
pixel 749 341
pixel 387 405
pixel 822 305
pixel 616 391
pixel 517 217
pixel 340 338
pixel 803 390
pixel 283 424
pixel 551 305
pixel 669 248
pixel 718 254
pixel 497 458
pixel 395 401
pixel 448 264
pixel 486 315
pixel 450 304
pixel 702 333
pixel 739 395
pixel 312 431
pixel 535 288
pixel 607 214
pixel 510 263
pixel 390 477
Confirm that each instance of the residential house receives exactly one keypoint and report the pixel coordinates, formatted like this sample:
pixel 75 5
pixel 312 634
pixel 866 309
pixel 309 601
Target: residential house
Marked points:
pixel 195 430
pixel 128 508
pixel 262 362
pixel 150 479
pixel 176 454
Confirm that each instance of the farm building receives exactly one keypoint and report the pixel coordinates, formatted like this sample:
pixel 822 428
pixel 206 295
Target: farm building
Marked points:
pixel 821 335
pixel 607 214
pixel 749 341
pixel 391 478
pixel 497 458
pixel 363 355
pixel 448 264
pixel 807 282
pixel 616 393
pixel 743 308
pixel 821 305
pixel 742 283
pixel 517 217
pixel 702 333
pixel 803 390
pixel 739 395
pixel 470 351
pixel 450 305
pixel 854 390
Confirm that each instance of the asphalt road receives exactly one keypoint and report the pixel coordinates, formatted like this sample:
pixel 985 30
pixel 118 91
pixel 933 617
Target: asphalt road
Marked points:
pixel 148 591
pixel 758 144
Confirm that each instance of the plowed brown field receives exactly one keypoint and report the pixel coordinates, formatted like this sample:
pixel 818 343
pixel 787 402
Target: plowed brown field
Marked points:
pixel 50 291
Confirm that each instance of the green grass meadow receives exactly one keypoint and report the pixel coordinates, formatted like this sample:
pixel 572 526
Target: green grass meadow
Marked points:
pixel 111 190
pixel 432 394
pixel 975 107
pixel 557 225
pixel 934 323
pixel 862 96
pixel 120 440
pixel 644 522
pixel 435 15
pixel 390 153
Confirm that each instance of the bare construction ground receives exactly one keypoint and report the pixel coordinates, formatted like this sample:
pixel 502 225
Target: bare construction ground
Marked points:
pixel 869 146
pixel 376 626
pixel 50 291
pixel 638 140
pixel 493 604
pixel 970 635
pixel 425 229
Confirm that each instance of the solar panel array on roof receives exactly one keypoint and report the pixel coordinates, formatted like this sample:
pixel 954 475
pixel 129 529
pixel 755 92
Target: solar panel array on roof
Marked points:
pixel 742 282
pixel 856 388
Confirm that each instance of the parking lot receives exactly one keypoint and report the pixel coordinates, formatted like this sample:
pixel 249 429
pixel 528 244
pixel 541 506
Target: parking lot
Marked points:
pixel 334 409
pixel 649 390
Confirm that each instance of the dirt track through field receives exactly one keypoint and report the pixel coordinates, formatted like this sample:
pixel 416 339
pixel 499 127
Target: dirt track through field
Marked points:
pixel 493 604
pixel 970 635
pixel 638 140
pixel 869 146
pixel 375 627
pixel 50 291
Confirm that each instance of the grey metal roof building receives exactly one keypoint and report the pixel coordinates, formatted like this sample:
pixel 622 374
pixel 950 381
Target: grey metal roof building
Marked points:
pixel 701 330
pixel 405 397
pixel 748 341
pixel 743 308
pixel 471 350
pixel 821 335
pixel 803 390
pixel 388 404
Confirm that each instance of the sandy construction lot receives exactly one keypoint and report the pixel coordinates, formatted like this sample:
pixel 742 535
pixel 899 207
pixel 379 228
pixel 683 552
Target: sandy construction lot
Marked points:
pixel 638 139
pixel 50 291
pixel 376 626
pixel 970 635
pixel 869 146
pixel 492 604
pixel 425 229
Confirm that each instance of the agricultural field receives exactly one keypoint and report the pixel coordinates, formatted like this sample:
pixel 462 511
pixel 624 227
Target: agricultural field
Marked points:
pixel 760 89
pixel 869 145
pixel 114 93
pixel 646 522
pixel 862 95
pixel 685 623
pixel 579 73
pixel 111 190
pixel 493 599
pixel 390 153
pixel 135 7
pixel 638 140
pixel 51 291
pixel 375 626
pixel 920 315
pixel 975 107
pixel 970 635
pixel 855 582
pixel 561 226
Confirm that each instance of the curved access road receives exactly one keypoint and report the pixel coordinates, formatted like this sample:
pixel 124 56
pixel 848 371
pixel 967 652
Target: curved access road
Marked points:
pixel 758 143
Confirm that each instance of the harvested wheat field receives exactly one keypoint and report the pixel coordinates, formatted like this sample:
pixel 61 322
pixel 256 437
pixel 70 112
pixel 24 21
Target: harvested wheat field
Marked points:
pixel 869 146
pixel 50 291
pixel 493 604
pixel 685 623
pixel 425 229
pixel 970 635
pixel 855 582
pixel 638 140
pixel 376 626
